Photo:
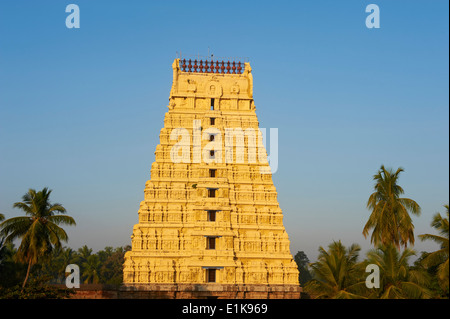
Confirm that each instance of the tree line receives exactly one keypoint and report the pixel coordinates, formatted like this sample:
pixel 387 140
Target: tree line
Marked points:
pixel 339 274
pixel 104 267
pixel 41 255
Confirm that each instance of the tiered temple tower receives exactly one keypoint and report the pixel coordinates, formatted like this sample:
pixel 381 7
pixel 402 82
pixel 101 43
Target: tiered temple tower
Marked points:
pixel 210 224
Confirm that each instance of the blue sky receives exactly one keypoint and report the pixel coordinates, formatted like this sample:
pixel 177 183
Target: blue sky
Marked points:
pixel 81 109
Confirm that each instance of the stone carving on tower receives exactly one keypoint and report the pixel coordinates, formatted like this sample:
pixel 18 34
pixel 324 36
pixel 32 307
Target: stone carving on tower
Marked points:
pixel 210 221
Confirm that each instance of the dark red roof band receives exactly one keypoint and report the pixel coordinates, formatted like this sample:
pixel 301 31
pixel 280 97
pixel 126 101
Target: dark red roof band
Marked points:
pixel 211 66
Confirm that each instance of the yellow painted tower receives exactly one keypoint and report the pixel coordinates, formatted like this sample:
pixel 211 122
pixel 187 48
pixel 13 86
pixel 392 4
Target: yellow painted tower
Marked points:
pixel 210 224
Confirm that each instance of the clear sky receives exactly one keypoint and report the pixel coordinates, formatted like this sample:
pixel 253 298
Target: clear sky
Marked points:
pixel 81 109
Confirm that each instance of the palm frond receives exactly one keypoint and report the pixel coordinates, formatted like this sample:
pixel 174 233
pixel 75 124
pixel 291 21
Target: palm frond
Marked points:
pixel 56 234
pixel 15 227
pixel 25 207
pixel 61 219
pixel 411 205
pixel 438 239
pixel 415 291
pixel 56 208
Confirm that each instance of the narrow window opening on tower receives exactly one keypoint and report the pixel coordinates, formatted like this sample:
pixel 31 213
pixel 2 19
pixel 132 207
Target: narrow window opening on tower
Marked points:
pixel 211 154
pixel 212 121
pixel 211 137
pixel 211 192
pixel 212 173
pixel 212 104
pixel 211 274
pixel 211 242
pixel 211 215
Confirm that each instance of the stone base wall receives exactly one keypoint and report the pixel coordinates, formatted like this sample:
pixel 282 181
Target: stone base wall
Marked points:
pixel 188 291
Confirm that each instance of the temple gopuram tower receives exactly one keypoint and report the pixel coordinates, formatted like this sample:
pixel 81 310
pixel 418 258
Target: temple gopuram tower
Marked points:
pixel 210 224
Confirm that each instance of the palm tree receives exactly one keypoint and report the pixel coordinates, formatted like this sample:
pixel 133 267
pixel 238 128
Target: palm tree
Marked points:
pixel 67 255
pixel 61 258
pixel 38 230
pixel 439 257
pixel 91 269
pixel 336 274
pixel 397 279
pixel 83 254
pixel 10 271
pixel 390 220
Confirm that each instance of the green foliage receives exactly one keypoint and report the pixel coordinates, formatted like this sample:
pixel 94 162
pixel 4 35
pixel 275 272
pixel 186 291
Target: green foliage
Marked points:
pixel 11 272
pixel 337 274
pixel 91 269
pixel 434 286
pixel 302 263
pixel 438 260
pixel 37 288
pixel 397 279
pixel 111 270
pixel 390 220
pixel 38 230
pixel 104 267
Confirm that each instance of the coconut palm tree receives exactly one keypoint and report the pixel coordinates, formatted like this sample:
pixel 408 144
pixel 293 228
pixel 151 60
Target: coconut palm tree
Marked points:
pixel 61 258
pixel 91 269
pixel 2 217
pixel 439 257
pixel 39 230
pixel 336 274
pixel 82 254
pixel 390 220
pixel 67 255
pixel 397 279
